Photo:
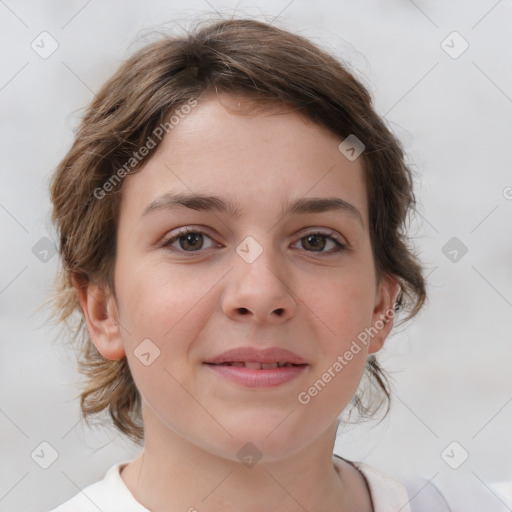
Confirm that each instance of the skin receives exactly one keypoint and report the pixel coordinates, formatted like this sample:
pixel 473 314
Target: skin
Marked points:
pixel 194 305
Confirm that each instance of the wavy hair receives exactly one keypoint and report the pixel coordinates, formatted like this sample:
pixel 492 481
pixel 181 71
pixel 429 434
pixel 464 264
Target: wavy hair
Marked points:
pixel 248 58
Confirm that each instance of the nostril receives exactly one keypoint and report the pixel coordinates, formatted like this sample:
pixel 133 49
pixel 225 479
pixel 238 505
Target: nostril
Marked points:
pixel 243 311
pixel 279 311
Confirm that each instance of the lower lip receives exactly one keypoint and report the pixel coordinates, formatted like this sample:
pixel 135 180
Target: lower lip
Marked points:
pixel 252 378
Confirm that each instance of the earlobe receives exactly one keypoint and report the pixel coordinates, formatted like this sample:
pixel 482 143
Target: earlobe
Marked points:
pixel 102 320
pixel 383 313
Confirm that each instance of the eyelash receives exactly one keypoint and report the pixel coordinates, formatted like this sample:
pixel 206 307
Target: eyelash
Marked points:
pixel 190 231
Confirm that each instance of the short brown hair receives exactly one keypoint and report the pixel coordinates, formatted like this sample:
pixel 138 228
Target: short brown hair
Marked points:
pixel 248 58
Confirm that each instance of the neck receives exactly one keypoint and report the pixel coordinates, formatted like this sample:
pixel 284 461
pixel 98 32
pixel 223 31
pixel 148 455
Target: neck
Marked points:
pixel 173 474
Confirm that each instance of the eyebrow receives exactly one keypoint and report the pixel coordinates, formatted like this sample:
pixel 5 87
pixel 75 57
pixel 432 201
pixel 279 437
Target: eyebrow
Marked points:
pixel 209 203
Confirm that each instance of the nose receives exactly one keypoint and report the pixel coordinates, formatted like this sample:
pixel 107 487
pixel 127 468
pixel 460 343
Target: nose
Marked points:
pixel 259 292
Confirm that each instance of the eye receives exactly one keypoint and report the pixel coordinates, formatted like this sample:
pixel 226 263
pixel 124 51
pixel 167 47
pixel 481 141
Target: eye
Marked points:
pixel 187 240
pixel 317 242
pixel 193 240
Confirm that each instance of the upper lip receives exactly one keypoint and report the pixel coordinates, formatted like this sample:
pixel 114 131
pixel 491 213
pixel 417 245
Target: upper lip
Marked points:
pixel 267 355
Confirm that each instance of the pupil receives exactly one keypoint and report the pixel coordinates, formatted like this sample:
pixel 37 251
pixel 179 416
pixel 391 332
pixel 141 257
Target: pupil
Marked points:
pixel 191 239
pixel 311 241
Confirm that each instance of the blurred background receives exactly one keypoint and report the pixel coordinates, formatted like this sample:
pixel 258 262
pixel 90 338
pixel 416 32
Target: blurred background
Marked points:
pixel 441 76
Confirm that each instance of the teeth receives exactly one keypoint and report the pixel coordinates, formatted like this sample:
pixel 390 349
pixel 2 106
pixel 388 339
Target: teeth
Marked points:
pixel 253 365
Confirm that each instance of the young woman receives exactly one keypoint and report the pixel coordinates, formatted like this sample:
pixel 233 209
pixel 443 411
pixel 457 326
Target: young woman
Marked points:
pixel 231 220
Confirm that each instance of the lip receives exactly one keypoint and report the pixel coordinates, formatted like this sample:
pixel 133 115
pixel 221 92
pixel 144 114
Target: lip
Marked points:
pixel 257 378
pixel 267 355
pixel 252 378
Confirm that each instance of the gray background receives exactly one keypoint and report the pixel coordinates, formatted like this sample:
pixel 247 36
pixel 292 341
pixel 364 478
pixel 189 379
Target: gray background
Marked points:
pixel 451 366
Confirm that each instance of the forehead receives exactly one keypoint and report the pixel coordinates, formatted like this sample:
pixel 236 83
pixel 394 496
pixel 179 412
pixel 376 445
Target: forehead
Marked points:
pixel 262 159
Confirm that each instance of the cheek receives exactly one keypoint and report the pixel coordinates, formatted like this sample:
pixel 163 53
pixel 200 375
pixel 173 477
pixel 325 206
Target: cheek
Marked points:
pixel 343 304
pixel 157 299
pixel 343 312
pixel 162 313
pixel 339 307
pixel 169 309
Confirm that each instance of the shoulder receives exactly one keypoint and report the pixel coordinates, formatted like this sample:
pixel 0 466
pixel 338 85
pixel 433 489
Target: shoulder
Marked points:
pixel 419 494
pixel 390 494
pixel 107 495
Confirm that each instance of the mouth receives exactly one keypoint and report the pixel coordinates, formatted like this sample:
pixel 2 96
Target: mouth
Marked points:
pixel 257 358
pixel 254 365
pixel 257 374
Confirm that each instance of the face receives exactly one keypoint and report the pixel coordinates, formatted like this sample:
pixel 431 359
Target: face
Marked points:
pixel 252 271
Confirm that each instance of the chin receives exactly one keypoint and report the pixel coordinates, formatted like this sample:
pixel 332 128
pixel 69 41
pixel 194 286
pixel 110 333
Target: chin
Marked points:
pixel 255 445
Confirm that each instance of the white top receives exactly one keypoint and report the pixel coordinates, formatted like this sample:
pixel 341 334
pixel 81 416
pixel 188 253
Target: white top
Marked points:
pixel 388 495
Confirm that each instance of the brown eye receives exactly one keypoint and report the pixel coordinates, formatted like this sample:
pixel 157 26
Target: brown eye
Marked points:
pixel 191 241
pixel 322 243
pixel 188 241
pixel 314 242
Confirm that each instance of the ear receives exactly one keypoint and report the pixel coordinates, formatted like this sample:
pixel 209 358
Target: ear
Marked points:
pixel 383 313
pixel 102 320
